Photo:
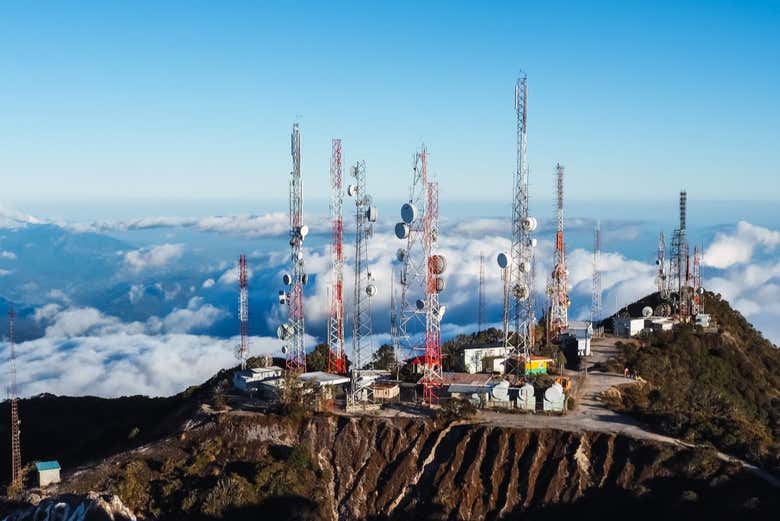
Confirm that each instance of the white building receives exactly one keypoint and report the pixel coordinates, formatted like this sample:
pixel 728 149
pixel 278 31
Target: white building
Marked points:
pixel 628 327
pixel 659 324
pixel 48 472
pixel 488 359
pixel 249 379
pixel 703 320
pixel 582 331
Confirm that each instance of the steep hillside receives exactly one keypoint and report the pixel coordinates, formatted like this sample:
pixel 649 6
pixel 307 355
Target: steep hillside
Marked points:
pixel 722 388
pixel 328 467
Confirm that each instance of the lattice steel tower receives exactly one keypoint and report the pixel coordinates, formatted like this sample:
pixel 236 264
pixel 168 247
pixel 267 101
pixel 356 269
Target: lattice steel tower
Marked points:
pixel 680 271
pixel 518 305
pixel 595 304
pixel 364 287
pixel 432 379
pixel 243 312
pixel 16 443
pixel 337 359
pixel 481 303
pixel 559 292
pixel 292 332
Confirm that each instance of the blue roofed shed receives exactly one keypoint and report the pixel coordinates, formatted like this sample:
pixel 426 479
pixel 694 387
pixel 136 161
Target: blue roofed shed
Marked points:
pixel 48 472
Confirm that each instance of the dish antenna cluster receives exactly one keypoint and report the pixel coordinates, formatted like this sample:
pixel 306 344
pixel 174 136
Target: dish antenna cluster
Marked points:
pixel 517 265
pixel 421 275
pixel 292 332
pixel 365 288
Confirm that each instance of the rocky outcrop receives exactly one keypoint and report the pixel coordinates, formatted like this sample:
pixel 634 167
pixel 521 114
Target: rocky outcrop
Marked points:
pixel 69 507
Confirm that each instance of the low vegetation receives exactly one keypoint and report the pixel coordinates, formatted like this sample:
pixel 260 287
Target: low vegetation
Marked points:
pixel 721 388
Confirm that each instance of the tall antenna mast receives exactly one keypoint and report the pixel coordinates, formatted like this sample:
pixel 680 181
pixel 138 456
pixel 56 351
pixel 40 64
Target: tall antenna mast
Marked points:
pixel 432 379
pixel 243 311
pixel 337 360
pixel 559 293
pixel 518 303
pixel 595 305
pixel 413 258
pixel 696 301
pixel 364 288
pixel 481 304
pixel 16 444
pixel 394 336
pixel 662 279
pixel 292 332
pixel 680 272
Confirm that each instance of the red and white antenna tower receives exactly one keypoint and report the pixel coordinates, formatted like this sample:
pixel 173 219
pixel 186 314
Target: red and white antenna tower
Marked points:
pixel 559 293
pixel 292 332
pixel 432 379
pixel 16 444
pixel 420 274
pixel 243 311
pixel 337 360
pixel 518 266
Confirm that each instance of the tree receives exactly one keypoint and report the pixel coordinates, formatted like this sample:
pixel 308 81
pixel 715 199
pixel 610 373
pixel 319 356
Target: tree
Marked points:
pixel 317 360
pixel 384 357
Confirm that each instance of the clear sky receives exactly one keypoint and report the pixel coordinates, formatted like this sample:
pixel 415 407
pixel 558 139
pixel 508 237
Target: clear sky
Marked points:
pixel 195 100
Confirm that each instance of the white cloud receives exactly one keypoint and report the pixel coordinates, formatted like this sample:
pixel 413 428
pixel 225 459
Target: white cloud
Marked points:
pixel 230 276
pixel 7 255
pixel 208 283
pixel 153 257
pixel 136 293
pixel 5 273
pixel 729 249
pixel 196 315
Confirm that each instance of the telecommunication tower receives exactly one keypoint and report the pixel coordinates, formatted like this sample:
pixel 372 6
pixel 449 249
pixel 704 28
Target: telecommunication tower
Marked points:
pixel 292 331
pixel 337 360
pixel 243 311
pixel 697 306
pixel 16 444
pixel 559 293
pixel 662 279
pixel 680 270
pixel 420 275
pixel 481 303
pixel 595 304
pixel 432 379
pixel 517 266
pixel 364 288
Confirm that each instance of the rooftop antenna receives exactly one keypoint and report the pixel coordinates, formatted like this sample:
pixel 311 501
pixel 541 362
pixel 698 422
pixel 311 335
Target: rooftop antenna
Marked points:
pixel 243 311
pixel 16 444
pixel 364 288
pixel 595 305
pixel 559 293
pixel 481 304
pixel 291 332
pixel 518 265
pixel 337 360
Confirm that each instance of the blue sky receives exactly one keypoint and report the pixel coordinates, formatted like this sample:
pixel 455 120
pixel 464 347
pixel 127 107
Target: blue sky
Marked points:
pixel 189 101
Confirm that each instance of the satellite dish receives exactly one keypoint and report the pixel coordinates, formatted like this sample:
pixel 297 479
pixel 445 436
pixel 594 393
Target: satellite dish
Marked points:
pixel 400 254
pixel 282 297
pixel 304 231
pixel 554 393
pixel 370 290
pixel 529 224
pixel 440 313
pixel 286 279
pixel 280 332
pixel 351 190
pixel 521 291
pixel 372 214
pixel 503 260
pixel 700 291
pixel 440 284
pixel 525 266
pixel 533 242
pixel 501 391
pixel 304 278
pixel 439 264
pixel 647 312
pixel 284 350
pixel 420 304
pixel 657 262
pixel 408 213
pixel 402 230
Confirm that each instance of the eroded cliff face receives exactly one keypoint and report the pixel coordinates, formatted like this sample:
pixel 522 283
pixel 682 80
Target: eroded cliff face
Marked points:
pixel 371 468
